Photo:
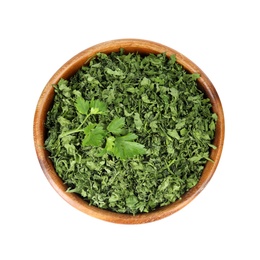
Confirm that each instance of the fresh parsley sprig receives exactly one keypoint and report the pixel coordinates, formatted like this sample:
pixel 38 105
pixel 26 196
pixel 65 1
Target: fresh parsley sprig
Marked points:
pixel 121 146
pixel 94 107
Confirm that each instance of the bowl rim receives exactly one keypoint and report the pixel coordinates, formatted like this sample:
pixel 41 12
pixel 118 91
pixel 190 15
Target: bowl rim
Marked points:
pixel 74 64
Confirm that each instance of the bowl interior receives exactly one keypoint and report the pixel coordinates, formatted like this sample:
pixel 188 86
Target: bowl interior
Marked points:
pixel 70 68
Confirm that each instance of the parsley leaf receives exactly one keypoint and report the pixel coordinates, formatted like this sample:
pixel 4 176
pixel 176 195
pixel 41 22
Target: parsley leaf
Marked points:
pixel 125 148
pixel 116 125
pixel 82 105
pixel 94 135
pixel 97 107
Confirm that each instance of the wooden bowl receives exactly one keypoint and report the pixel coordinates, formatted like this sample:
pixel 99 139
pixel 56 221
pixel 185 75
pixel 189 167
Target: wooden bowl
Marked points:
pixel 70 68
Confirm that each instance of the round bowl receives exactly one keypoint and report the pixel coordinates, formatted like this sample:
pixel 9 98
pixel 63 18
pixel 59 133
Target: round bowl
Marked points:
pixel 70 68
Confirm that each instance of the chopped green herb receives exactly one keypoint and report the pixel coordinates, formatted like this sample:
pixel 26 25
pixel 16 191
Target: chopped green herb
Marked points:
pixel 130 133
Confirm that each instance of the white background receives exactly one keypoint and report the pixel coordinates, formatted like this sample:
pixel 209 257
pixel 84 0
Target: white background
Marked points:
pixel 221 37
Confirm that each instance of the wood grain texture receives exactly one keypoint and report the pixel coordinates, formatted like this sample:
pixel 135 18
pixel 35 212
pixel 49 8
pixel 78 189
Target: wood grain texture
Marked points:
pixel 70 68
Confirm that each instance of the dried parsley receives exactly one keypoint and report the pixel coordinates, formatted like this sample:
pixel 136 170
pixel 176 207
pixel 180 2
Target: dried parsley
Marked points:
pixel 130 133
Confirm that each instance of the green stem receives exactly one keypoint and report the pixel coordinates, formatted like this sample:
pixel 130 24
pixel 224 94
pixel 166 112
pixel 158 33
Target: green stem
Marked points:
pixel 171 162
pixel 71 132
pixel 76 130
pixel 83 122
pixel 169 165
